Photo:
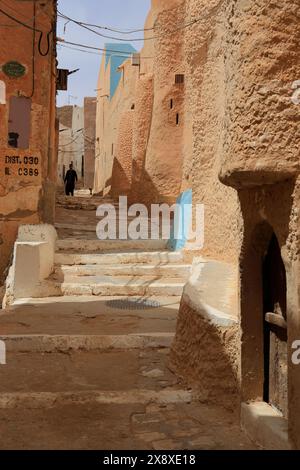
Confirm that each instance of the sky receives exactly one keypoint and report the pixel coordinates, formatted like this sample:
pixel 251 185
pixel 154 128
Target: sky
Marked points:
pixel 117 14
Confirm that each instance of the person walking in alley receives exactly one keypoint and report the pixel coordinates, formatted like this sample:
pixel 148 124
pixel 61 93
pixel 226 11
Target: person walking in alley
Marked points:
pixel 70 180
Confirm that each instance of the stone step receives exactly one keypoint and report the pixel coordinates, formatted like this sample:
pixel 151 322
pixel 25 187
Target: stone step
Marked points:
pixel 122 285
pixel 81 315
pixel 109 246
pixel 154 257
pixel 170 270
pixel 80 370
pixel 67 343
pixel 48 400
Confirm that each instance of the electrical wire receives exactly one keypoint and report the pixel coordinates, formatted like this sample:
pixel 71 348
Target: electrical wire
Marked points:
pixel 81 50
pixel 98 54
pixel 25 25
pixel 85 26
pixel 114 30
pixel 33 50
pixel 127 56
pixel 16 11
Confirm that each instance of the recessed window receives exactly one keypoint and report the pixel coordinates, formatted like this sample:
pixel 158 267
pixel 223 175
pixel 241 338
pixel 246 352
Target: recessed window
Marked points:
pixel 177 119
pixel 179 78
pixel 133 106
pixel 171 104
pixel 19 122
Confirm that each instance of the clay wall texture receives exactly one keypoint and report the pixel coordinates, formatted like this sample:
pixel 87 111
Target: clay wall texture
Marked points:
pixel 89 141
pixel 109 118
pixel 236 145
pixel 27 191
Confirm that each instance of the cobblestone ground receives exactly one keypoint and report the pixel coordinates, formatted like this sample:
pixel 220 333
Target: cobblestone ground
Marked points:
pixel 85 373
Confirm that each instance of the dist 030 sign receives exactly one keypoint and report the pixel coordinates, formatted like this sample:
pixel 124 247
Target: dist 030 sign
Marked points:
pixel 14 69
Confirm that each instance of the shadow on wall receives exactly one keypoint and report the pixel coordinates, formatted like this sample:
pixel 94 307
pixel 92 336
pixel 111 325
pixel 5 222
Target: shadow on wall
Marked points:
pixel 208 358
pixel 144 191
pixel 120 183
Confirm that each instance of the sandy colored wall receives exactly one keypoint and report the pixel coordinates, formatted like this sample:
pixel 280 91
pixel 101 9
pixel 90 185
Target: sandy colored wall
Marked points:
pixel 204 133
pixel 27 190
pixel 122 165
pixel 109 117
pixel 262 135
pixel 157 137
pixel 241 127
pixel 89 141
pixel 163 160
pixel 64 116
pixel 77 148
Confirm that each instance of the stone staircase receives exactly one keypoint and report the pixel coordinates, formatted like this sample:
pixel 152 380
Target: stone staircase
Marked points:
pixel 87 361
pixel 118 268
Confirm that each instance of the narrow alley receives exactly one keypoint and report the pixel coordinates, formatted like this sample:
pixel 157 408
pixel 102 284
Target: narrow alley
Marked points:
pixel 150 229
pixel 88 361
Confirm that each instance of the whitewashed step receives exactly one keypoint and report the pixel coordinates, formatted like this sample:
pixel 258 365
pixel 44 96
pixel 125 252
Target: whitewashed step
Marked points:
pixel 151 257
pixel 139 269
pixel 107 285
pixel 109 246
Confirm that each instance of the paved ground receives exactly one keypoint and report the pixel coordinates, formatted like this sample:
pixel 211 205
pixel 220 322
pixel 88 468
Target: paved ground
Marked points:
pixel 121 427
pixel 84 373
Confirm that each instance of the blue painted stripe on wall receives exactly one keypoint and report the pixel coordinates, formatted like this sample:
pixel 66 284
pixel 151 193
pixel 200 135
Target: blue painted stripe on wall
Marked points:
pixel 115 62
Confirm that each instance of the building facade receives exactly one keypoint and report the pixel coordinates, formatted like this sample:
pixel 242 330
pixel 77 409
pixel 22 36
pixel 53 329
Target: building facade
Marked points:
pixel 71 146
pixel 90 105
pixel 28 132
pixel 213 107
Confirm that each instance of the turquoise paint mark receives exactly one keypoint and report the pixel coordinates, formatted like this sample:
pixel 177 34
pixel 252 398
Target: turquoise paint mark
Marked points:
pixel 115 62
pixel 182 221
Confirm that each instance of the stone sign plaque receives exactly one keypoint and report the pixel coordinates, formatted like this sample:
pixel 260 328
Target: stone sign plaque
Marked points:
pixel 14 69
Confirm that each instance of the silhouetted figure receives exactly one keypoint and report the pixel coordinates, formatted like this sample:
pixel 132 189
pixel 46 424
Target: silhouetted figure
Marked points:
pixel 70 180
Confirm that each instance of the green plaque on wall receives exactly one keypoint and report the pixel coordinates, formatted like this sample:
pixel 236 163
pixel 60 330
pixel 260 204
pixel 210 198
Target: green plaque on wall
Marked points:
pixel 14 69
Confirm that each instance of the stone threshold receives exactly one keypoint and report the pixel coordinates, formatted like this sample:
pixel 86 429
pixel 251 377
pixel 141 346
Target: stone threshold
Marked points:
pixel 265 426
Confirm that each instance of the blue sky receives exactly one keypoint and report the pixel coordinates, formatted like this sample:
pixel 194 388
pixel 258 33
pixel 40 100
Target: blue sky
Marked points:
pixel 118 14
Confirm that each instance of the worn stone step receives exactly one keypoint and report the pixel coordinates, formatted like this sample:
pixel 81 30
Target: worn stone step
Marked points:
pixel 80 370
pixel 122 285
pixel 155 257
pixel 67 343
pixel 171 270
pixel 46 400
pixel 90 315
pixel 92 246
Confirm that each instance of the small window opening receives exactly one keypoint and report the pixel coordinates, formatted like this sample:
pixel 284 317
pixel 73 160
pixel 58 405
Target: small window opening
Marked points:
pixel 82 166
pixel 171 104
pixel 179 78
pixel 112 149
pixel 133 106
pixel 177 119
pixel 19 122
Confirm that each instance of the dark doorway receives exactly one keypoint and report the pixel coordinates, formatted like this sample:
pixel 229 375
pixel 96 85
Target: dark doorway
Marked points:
pixel 275 328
